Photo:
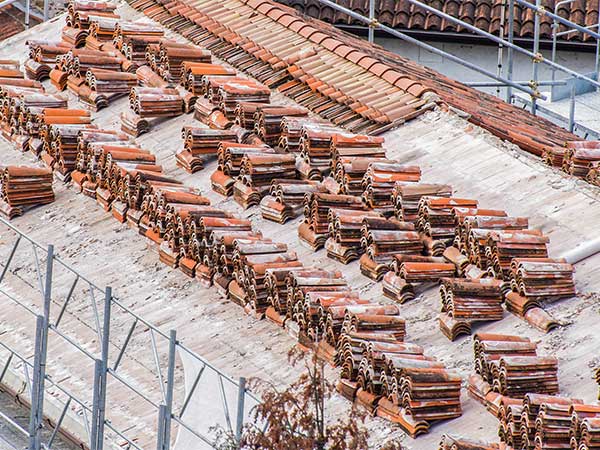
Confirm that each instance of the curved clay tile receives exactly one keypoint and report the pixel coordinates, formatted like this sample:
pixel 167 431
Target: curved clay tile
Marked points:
pixel 466 14
pixel 331 44
pixel 392 76
pixel 387 12
pixel 275 14
pixel 577 16
pixel 591 18
pixel 452 7
pixel 483 13
pixel 402 15
pixel 367 62
pixel 518 20
pixel 405 83
pixel 344 50
pixel 339 17
pixel 527 23
pixel 266 7
pixel 546 30
pixel 287 19
pixel 327 14
pixel 433 22
pixel 255 4
pixel 496 16
pixel 378 69
pixel 318 37
pixel 297 25
pixel 307 31
pixel 418 90
pixel 417 18
pixel 386 18
pixel 355 56
pixel 312 10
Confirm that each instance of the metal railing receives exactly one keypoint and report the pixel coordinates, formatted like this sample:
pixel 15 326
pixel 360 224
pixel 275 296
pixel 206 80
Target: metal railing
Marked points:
pixel 105 330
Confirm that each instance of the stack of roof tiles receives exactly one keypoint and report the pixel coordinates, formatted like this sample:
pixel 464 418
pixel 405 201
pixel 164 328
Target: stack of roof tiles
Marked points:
pixel 315 228
pixel 381 240
pixel 286 199
pixel 230 156
pixel 107 85
pixel 155 102
pixel 407 196
pixel 194 75
pixel 452 442
pixel 267 121
pixel 396 381
pixel 257 171
pixel 42 57
pixel 24 187
pixel 379 182
pixel 345 234
pixel 132 38
pixel 200 143
pixel 167 58
pixel 511 366
pixel 580 157
pixel 467 301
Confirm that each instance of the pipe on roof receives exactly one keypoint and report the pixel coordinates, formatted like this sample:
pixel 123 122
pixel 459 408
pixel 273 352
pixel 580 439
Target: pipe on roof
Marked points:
pixel 582 252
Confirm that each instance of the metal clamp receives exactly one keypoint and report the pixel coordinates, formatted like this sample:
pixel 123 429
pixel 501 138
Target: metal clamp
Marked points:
pixel 538 58
pixel 541 11
pixel 374 23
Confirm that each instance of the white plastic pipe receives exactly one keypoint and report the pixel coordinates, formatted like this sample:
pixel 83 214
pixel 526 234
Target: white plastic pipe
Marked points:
pixel 582 252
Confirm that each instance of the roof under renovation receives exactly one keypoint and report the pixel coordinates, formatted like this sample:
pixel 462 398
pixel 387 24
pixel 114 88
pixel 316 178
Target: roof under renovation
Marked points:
pixel 485 15
pixel 379 116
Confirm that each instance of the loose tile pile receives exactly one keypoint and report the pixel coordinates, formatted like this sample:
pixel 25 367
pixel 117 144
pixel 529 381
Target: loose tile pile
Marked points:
pixel 22 188
pixel 438 235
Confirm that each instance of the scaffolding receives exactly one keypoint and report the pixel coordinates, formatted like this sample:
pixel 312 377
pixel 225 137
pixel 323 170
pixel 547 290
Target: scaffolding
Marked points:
pixel 531 88
pixel 52 287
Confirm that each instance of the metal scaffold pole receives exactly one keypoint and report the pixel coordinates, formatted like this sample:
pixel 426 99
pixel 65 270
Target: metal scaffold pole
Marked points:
pixel 537 56
pixel 373 21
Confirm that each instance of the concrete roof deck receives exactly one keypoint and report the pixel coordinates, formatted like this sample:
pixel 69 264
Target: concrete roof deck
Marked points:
pixel 447 148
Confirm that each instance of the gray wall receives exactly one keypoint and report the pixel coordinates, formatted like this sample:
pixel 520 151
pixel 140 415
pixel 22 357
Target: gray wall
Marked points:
pixel 487 57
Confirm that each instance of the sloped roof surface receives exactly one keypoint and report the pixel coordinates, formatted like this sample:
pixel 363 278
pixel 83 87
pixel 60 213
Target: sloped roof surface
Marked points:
pixel 270 21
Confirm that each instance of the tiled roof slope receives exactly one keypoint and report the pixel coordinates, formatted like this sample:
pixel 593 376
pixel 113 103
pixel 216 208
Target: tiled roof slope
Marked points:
pixel 11 22
pixel 276 46
pixel 484 14
pixel 334 73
